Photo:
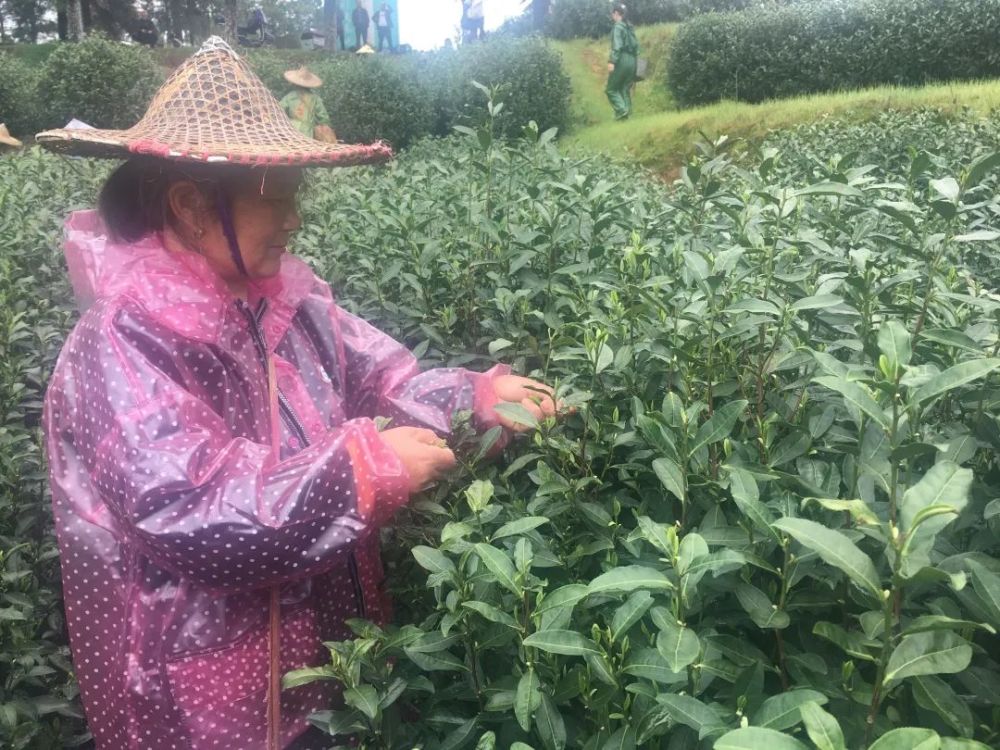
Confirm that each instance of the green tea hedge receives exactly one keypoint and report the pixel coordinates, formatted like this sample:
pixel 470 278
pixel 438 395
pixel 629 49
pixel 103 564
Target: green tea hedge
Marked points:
pixel 394 98
pixel 780 51
pixel 804 337
pixel 571 19
pixel 18 106
pixel 103 83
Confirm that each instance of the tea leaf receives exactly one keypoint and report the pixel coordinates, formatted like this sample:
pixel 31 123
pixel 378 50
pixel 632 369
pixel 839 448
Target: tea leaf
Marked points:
pixel 491 613
pixel 690 712
pixel 719 425
pixel 936 652
pixel 565 642
pixel 364 698
pixel 894 341
pixel 500 565
pixel 953 377
pixel 629 613
pixel 936 695
pixel 908 738
pixel 433 560
pixel 822 728
pixel 519 526
pixel 757 738
pixel 672 477
pixel 782 711
pixel 565 596
pixel 549 725
pixel 628 578
pixel 835 549
pixel 528 698
pixel 857 396
pixel 678 645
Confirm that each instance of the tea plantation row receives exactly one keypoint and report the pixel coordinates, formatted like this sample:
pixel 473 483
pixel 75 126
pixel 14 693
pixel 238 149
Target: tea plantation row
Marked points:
pixel 771 520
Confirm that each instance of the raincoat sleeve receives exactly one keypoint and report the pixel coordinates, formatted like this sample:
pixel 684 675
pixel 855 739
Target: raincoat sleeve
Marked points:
pixel 384 379
pixel 177 485
pixel 618 36
pixel 320 115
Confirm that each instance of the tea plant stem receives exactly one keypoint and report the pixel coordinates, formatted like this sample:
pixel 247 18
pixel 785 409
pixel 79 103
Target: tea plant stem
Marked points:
pixel 470 646
pixel 931 269
pixel 876 701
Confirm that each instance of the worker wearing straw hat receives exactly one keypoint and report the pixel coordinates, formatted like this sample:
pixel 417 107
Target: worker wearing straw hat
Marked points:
pixel 6 139
pixel 304 106
pixel 218 475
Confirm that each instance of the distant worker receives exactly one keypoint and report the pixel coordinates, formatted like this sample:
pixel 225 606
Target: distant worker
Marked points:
pixel 333 25
pixel 144 31
pixel 383 24
pixel 361 21
pixel 338 24
pixel 7 140
pixel 472 14
pixel 305 108
pixel 621 63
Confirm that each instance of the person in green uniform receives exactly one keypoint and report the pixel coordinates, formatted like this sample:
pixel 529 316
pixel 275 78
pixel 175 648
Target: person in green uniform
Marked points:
pixel 621 63
pixel 305 108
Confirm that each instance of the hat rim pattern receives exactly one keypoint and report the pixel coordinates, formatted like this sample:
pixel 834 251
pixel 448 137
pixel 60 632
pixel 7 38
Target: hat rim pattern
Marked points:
pixel 214 109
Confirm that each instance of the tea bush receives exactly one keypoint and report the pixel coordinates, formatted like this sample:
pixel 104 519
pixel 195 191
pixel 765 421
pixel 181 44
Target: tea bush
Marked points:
pixel 403 98
pixel 771 521
pixel 372 97
pixel 784 374
pixel 103 83
pixel 571 19
pixel 18 104
pixel 39 708
pixel 579 18
pixel 778 51
pixel 528 72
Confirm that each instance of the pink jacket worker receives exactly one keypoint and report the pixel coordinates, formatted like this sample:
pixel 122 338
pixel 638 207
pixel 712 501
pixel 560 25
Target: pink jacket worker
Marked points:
pixel 217 473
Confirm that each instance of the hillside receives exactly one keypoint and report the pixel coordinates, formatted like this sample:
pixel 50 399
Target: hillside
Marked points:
pixel 660 136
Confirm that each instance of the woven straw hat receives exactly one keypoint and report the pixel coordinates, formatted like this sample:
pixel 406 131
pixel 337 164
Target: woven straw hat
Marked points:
pixel 214 109
pixel 303 77
pixel 7 139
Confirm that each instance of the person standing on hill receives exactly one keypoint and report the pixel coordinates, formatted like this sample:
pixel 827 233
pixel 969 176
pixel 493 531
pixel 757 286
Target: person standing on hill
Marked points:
pixel 333 15
pixel 621 63
pixel 338 25
pixel 383 24
pixel 472 13
pixel 361 21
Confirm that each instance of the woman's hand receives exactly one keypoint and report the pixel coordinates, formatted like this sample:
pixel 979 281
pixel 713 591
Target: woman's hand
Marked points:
pixel 536 397
pixel 424 455
pixel 611 67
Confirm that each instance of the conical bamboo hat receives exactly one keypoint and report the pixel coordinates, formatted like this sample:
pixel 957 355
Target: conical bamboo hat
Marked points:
pixel 214 109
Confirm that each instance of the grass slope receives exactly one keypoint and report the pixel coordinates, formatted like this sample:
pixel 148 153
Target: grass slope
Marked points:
pixel 660 136
pixel 663 140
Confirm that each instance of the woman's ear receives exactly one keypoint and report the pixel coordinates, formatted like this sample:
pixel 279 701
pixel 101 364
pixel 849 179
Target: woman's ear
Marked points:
pixel 189 206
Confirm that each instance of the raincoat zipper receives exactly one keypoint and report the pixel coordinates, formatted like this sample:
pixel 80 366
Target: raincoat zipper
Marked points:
pixel 274 607
pixel 295 425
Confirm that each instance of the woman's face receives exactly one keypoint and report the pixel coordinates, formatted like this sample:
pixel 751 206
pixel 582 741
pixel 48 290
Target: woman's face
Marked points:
pixel 265 214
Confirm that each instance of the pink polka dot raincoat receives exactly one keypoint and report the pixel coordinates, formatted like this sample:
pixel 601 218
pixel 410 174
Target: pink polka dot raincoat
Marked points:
pixel 217 479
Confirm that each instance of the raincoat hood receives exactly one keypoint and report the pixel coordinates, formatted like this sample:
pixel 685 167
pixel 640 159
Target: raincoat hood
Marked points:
pixel 179 289
pixel 218 480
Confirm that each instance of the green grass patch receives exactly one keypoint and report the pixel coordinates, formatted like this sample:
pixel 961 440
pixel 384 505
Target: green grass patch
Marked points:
pixel 586 63
pixel 663 140
pixel 31 54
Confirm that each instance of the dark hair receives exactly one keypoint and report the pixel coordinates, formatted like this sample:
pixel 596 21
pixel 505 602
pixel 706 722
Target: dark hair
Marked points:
pixel 133 201
pixel 619 8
